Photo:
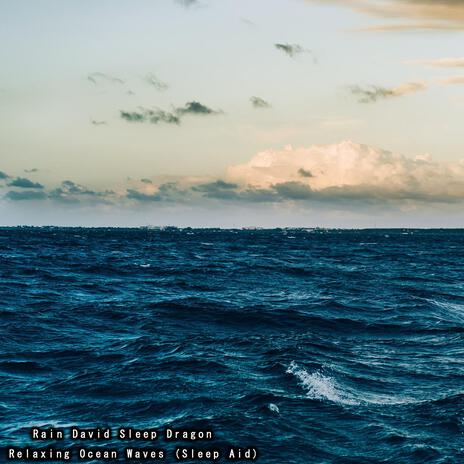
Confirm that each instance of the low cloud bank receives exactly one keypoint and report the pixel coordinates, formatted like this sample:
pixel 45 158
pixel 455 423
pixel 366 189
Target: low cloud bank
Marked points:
pixel 348 174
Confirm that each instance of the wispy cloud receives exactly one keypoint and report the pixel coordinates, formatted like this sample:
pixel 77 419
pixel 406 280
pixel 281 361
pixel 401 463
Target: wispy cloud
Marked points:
pixel 187 3
pixel 95 122
pixel 452 80
pixel 259 102
pixel 4 175
pixel 99 77
pixel 158 84
pixel 31 171
pixel 247 21
pixel 403 15
pixel 373 93
pixel 22 182
pixel 291 49
pixel 440 63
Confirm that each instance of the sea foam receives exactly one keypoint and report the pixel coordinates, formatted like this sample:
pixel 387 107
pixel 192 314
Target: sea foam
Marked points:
pixel 320 387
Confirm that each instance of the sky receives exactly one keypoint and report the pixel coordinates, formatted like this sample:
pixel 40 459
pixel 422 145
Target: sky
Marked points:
pixel 232 113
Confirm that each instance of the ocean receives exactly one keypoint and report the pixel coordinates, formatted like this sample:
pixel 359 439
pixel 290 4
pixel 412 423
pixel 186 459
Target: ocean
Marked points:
pixel 309 346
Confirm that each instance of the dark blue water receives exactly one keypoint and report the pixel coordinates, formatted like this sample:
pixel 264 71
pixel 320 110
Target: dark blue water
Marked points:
pixel 314 346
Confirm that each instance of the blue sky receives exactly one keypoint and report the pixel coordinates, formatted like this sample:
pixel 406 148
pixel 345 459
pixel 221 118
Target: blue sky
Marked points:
pixel 130 112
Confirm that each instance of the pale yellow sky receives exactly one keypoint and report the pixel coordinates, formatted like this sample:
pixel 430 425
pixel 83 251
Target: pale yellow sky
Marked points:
pixel 104 94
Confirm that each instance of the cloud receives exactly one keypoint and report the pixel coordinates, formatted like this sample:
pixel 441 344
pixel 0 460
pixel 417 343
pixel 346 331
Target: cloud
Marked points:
pixel 247 21
pixel 440 63
pixel 157 116
pixel 293 190
pixel 21 182
pixel 26 195
pixel 70 192
pixel 4 175
pixel 155 82
pixel 133 116
pixel 290 49
pixel 347 175
pixel 187 3
pixel 374 93
pixel 195 107
pixel 350 171
pixel 152 116
pixel 453 80
pixel 31 171
pixel 168 192
pixel 133 194
pixel 98 78
pixel 439 15
pixel 218 189
pixel 98 123
pixel 305 173
pixel 258 102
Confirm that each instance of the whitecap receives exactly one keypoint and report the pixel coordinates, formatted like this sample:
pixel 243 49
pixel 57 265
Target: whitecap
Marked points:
pixel 320 387
pixel 274 408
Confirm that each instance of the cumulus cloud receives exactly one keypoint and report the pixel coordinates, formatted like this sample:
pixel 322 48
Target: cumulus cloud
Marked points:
pixel 259 102
pixel 374 93
pixel 21 182
pixel 408 14
pixel 346 174
pixel 99 78
pixel 351 171
pixel 158 84
pixel 157 116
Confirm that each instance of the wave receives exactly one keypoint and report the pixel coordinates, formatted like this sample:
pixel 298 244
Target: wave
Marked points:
pixel 324 388
pixel 321 387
